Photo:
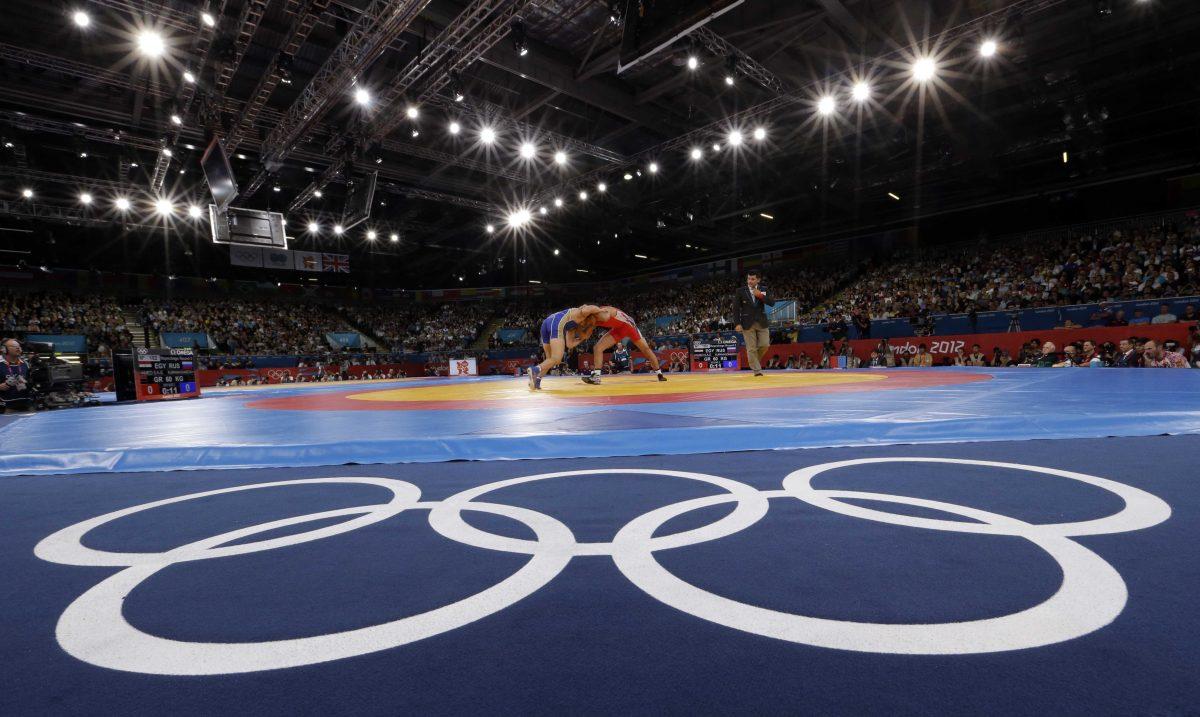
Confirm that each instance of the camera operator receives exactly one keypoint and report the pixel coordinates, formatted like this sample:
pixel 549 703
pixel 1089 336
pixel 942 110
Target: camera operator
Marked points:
pixel 14 378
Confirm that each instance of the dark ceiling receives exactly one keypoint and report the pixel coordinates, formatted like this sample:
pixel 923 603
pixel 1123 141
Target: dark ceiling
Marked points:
pixel 1114 84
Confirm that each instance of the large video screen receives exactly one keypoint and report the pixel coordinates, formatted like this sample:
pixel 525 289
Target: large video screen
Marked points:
pixel 219 174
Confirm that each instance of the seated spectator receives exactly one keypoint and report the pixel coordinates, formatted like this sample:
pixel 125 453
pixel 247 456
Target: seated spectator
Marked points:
pixel 1070 357
pixel 1190 314
pixel 774 363
pixel 1138 318
pixel 1155 356
pixel 976 357
pixel 923 358
pixel 1047 358
pixel 1165 316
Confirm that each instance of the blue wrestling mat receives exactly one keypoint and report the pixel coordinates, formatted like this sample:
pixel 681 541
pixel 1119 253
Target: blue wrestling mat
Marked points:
pixel 1017 578
pixel 430 420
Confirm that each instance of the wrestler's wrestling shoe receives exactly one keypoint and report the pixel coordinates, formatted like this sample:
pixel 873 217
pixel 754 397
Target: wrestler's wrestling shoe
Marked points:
pixel 593 378
pixel 535 378
pixel 661 377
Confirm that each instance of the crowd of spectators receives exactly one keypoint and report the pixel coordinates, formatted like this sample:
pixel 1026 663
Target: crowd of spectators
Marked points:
pixel 1133 263
pixel 422 327
pixel 245 326
pixel 99 318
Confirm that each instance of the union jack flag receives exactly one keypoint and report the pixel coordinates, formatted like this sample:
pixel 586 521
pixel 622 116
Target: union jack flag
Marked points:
pixel 335 262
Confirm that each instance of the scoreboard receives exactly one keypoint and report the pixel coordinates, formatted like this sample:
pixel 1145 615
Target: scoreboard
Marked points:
pixel 715 353
pixel 163 373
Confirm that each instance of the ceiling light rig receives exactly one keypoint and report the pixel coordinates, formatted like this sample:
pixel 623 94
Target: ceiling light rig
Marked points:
pixel 150 43
pixel 520 42
pixel 81 19
pixel 924 69
pixel 861 92
pixel 988 48
pixel 487 135
pixel 826 105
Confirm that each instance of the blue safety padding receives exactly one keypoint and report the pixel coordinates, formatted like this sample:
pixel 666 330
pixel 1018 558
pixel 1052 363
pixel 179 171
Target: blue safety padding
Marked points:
pixel 589 641
pixel 220 431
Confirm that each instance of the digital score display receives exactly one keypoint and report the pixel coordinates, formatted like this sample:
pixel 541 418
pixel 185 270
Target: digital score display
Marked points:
pixel 715 353
pixel 164 374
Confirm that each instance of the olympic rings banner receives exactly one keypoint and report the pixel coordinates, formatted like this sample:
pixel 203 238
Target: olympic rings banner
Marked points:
pixel 1092 594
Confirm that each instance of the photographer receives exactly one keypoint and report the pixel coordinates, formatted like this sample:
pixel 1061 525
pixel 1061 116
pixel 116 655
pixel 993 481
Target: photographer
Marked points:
pixel 14 378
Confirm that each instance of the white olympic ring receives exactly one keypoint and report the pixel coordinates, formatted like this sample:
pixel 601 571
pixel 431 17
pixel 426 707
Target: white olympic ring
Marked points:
pixel 1092 594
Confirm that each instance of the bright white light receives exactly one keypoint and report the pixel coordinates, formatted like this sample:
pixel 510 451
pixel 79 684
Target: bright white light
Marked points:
pixel 412 112
pixel 988 48
pixel 528 150
pixel 455 128
pixel 208 19
pixel 81 19
pixel 560 157
pixel 558 202
pixel 760 133
pixel 150 43
pixel 85 198
pixel 716 147
pixel 693 62
pixel 924 69
pixel 339 229
pixel 556 252
pixel 188 77
pixel 122 204
pixel 696 153
pixel 826 105
pixel 314 227
pixel 164 207
pixel 277 188
pixel 653 168
pixel 490 228
pixel 282 221
pixel 27 193
pixel 519 218
pixel 861 91
pixel 167 153
pixel 602 187
pixel 362 97
pixel 318 194
pixel 194 212
pixel 583 195
pixel 394 237
pixel 628 176
pixel 735 138
pixel 487 135
pixel 729 80
pixel 371 235
pixel 542 210
pixel 176 120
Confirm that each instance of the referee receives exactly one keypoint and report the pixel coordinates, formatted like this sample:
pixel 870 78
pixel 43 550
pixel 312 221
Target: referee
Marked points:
pixel 750 317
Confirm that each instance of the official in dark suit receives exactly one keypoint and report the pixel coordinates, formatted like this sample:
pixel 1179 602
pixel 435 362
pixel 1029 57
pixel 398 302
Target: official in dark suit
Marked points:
pixel 750 317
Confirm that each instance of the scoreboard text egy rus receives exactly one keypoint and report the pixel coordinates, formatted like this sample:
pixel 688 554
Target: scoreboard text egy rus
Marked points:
pixel 163 374
pixel 715 353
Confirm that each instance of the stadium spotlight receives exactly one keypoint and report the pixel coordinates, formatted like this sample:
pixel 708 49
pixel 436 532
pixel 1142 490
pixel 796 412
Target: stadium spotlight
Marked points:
pixel 602 187
pixel 558 202
pixel 455 128
pixel 339 229
pixel 826 105
pixel 122 204
pixel 313 227
pixel 176 120
pixel 693 62
pixel 150 43
pixel 560 157
pixel 81 18
pixel 519 42
pixel 490 228
pixel 412 112
pixel 716 147
pixel 760 133
pixel 27 193
pixel 556 252
pixel 519 218
pixel 528 150
pixel 167 152
pixel 487 135
pixel 735 138
pixel 195 212
pixel 628 176
pixel 371 235
pixel 542 211
pixel 653 168
pixel 696 153
pixel 362 96
pixel 988 48
pixel 730 69
pixel 85 198
pixel 318 194
pixel 164 207
pixel 861 91
pixel 583 195
pixel 394 237
pixel 208 19
pixel 188 77
pixel 924 69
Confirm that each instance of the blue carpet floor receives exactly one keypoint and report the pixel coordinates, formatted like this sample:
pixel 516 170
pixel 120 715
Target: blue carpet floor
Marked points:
pixel 585 594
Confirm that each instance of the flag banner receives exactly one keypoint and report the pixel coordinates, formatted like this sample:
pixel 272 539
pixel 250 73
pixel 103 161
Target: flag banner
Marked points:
pixel 338 263
pixel 277 259
pixel 245 255
pixel 306 260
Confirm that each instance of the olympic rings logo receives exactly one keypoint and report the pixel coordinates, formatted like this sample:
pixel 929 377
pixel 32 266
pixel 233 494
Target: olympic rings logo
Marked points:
pixel 1092 594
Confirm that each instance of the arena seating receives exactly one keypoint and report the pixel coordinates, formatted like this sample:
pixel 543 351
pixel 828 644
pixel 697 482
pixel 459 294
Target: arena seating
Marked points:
pixel 99 318
pixel 247 326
